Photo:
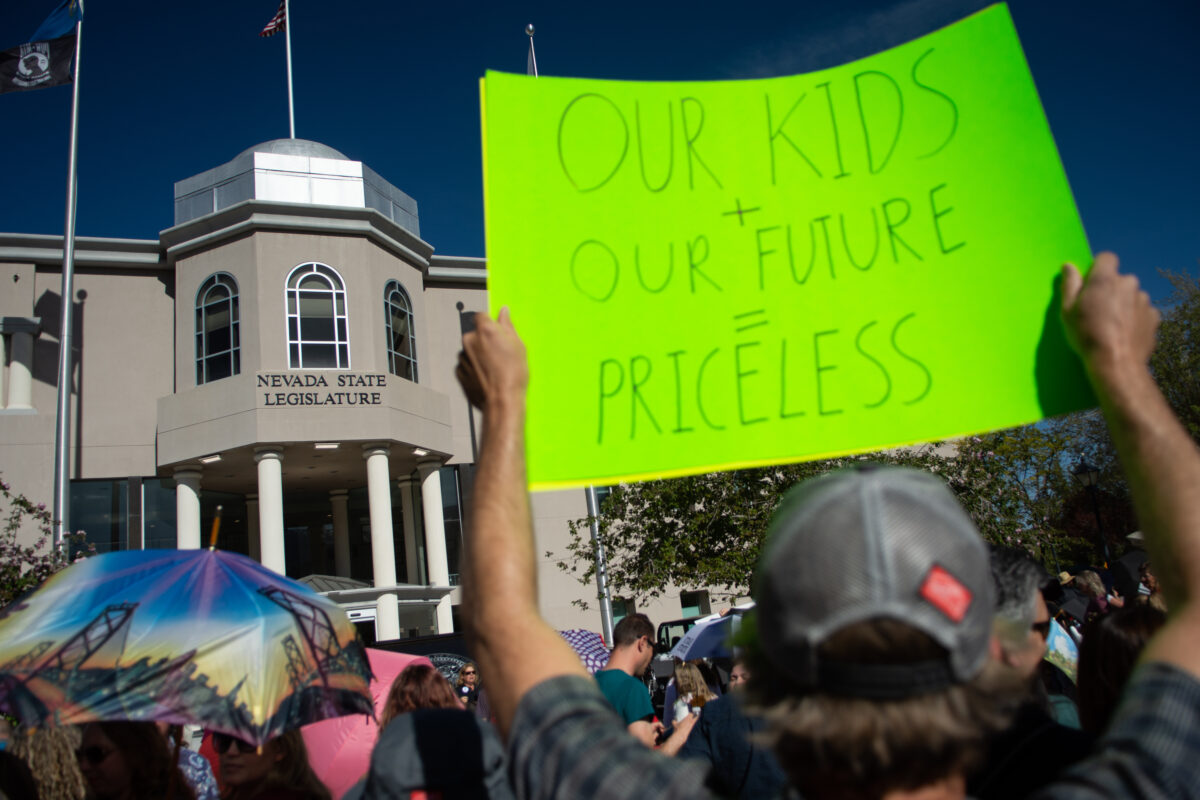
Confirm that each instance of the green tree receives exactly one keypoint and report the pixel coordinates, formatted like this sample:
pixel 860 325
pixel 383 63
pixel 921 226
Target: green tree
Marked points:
pixel 697 531
pixel 24 566
pixel 1176 359
pixel 1016 484
pixel 707 530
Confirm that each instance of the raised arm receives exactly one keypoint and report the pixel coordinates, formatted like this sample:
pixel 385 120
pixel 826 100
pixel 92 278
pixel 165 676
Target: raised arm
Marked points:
pixel 514 646
pixel 1113 327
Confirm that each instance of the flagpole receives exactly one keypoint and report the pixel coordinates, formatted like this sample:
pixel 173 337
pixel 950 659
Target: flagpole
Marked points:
pixel 602 592
pixel 287 31
pixel 593 508
pixel 532 54
pixel 62 430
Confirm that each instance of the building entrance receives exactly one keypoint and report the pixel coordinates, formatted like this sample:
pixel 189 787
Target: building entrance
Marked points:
pixel 308 534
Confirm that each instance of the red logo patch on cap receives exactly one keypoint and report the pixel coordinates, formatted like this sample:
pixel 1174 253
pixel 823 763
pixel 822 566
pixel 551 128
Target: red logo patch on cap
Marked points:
pixel 946 593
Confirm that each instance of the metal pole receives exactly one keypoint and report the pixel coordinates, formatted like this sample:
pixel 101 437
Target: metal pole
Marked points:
pixel 1099 526
pixel 532 52
pixel 62 428
pixel 287 31
pixel 601 568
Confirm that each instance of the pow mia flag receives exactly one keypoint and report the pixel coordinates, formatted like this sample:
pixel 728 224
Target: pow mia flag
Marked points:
pixel 37 65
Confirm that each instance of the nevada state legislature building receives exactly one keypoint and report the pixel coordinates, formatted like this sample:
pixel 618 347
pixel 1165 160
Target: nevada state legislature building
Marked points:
pixel 285 351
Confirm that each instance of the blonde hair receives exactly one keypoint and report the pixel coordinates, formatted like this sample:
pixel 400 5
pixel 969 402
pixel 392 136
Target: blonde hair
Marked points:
pixel 690 681
pixel 50 754
pixel 1089 582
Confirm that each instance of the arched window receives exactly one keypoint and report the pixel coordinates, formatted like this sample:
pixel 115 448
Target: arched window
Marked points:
pixel 318 332
pixel 401 346
pixel 218 344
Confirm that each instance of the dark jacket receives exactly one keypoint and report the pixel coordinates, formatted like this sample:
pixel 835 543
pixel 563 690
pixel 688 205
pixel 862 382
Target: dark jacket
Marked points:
pixel 1026 756
pixel 741 767
pixel 438 750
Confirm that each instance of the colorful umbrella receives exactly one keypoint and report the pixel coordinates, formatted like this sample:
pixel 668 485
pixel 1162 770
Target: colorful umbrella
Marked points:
pixel 589 647
pixel 182 636
pixel 339 750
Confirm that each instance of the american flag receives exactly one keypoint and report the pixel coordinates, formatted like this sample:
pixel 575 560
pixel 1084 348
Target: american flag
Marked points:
pixel 278 22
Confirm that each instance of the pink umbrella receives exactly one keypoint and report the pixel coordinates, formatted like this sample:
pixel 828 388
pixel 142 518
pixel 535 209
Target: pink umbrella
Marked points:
pixel 339 750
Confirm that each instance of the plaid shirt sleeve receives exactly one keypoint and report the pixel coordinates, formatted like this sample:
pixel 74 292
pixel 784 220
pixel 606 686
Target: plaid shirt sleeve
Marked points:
pixel 566 742
pixel 1151 748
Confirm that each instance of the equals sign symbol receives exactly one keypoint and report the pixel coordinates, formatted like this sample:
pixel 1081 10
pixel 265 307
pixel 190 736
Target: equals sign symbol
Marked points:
pixel 747 320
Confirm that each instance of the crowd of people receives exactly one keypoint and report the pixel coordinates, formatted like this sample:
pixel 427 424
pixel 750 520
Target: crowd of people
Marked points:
pixel 423 714
pixel 890 654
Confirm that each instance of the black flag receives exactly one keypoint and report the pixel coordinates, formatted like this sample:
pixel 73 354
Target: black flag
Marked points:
pixel 37 65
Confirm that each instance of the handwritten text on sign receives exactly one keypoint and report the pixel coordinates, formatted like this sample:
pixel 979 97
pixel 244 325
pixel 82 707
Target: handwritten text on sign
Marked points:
pixel 723 274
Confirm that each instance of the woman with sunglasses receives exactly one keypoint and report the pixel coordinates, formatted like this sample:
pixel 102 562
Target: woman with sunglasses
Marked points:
pixel 466 685
pixel 129 761
pixel 278 770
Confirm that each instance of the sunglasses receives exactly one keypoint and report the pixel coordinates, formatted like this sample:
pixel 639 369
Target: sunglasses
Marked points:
pixel 93 755
pixel 465 672
pixel 1042 629
pixel 222 741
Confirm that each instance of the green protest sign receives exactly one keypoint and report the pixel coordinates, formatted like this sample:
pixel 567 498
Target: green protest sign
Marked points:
pixel 717 275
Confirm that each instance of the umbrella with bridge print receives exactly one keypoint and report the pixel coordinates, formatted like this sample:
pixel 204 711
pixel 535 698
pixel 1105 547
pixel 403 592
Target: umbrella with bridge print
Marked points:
pixel 200 637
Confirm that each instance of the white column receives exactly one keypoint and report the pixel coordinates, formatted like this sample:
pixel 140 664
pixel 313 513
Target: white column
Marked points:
pixel 20 372
pixel 338 499
pixel 253 544
pixel 3 349
pixel 383 546
pixel 187 508
pixel 410 530
pixel 435 538
pixel 270 507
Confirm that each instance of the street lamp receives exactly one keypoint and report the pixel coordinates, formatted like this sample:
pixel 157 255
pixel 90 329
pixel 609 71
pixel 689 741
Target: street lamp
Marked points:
pixel 1088 476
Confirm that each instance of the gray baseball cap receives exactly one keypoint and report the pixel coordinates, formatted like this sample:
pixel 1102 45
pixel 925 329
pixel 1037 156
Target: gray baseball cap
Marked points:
pixel 866 543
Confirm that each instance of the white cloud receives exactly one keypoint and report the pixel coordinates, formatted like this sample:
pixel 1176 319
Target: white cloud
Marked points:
pixel 846 37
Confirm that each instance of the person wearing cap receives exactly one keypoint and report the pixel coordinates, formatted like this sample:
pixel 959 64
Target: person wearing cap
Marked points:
pixel 873 644
pixel 874 602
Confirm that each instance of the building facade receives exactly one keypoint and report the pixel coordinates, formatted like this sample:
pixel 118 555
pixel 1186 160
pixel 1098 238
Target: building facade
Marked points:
pixel 285 352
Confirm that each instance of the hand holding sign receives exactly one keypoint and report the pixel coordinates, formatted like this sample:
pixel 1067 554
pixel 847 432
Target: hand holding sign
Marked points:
pixel 1114 322
pixel 714 275
pixel 491 366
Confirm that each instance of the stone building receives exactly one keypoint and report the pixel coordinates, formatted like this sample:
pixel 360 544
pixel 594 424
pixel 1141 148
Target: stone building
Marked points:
pixel 285 351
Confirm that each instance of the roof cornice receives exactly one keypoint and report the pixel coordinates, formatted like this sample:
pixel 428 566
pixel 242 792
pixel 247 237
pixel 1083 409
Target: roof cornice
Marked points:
pixel 458 269
pixel 250 216
pixel 90 251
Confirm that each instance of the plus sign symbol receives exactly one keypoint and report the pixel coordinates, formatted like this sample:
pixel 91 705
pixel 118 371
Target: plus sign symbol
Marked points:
pixel 741 212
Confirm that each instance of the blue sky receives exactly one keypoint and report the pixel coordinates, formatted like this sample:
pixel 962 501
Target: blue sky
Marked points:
pixel 172 89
